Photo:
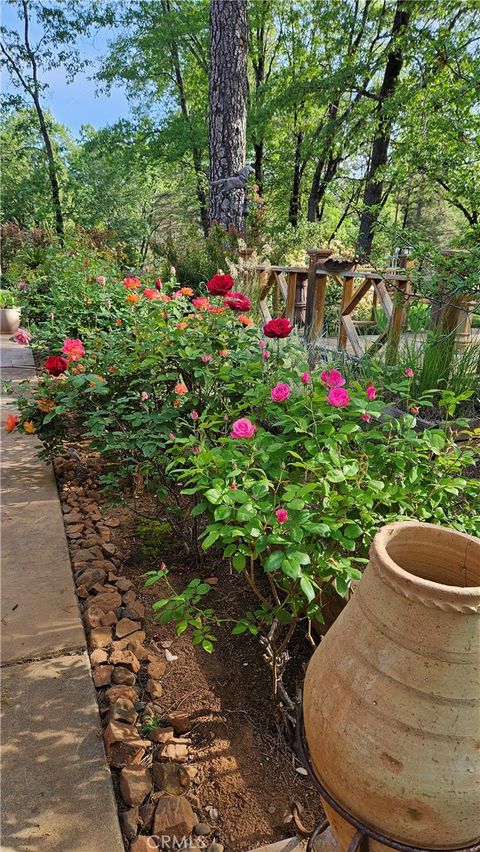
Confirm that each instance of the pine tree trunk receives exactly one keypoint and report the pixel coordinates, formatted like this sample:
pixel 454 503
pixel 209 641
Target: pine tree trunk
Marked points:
pixel 372 198
pixel 228 108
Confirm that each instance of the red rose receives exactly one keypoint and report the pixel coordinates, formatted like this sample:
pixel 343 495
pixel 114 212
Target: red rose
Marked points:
pixel 237 302
pixel 280 327
pixel 56 365
pixel 220 285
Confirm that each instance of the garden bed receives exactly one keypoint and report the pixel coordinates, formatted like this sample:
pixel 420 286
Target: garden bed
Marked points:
pixel 246 767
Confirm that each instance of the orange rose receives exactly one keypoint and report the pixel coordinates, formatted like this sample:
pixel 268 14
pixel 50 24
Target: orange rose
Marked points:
pixel 180 389
pixel 216 309
pixel 176 403
pixel 29 427
pixel 11 422
pixel 182 325
pixel 119 321
pixel 245 320
pixel 224 353
pixel 112 370
pixel 187 291
pixel 133 297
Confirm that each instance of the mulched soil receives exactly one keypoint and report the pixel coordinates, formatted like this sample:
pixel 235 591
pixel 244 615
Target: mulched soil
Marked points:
pixel 247 768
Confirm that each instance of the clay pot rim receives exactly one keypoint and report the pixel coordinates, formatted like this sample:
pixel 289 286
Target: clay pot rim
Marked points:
pixel 431 594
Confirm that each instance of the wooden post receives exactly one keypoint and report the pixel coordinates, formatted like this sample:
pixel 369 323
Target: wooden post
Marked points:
pixel 291 296
pixel 311 286
pixel 346 297
pixel 319 307
pixel 396 321
pixel 276 297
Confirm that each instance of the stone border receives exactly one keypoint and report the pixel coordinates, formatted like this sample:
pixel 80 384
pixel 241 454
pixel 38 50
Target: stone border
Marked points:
pixel 147 749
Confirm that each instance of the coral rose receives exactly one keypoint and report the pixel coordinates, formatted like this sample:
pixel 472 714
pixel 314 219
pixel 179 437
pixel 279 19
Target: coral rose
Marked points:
pixel 247 321
pixel 45 405
pixel 133 297
pixel 73 348
pixel 151 294
pixel 280 392
pixel 186 291
pixel 280 327
pixel 332 379
pixel 181 388
pixel 131 283
pixel 11 422
pixel 101 279
pixel 237 302
pixel 201 303
pixel 338 397
pixel 243 428
pixel 220 285
pixel 56 365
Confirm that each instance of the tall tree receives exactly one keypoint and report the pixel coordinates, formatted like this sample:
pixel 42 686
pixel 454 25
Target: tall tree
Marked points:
pixel 21 59
pixel 228 108
pixel 374 181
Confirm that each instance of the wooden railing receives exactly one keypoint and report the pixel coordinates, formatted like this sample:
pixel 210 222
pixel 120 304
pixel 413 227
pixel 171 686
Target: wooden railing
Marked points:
pixel 299 292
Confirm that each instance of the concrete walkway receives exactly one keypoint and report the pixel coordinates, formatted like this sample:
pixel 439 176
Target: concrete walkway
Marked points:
pixel 57 794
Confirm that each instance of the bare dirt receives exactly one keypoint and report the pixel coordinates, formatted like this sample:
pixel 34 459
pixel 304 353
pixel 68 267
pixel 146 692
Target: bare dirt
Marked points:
pixel 247 768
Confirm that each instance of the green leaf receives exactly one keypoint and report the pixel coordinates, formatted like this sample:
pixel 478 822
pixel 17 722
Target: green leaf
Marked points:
pixel 307 589
pixel 274 561
pixel 353 531
pixel 213 495
pixel 210 539
pixel 239 562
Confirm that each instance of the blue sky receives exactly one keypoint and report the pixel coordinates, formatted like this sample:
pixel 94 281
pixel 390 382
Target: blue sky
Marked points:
pixel 79 102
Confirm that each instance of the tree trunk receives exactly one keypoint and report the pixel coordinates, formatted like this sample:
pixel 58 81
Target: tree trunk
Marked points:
pixel 324 173
pixel 228 109
pixel 258 147
pixel 52 172
pixel 379 153
pixel 294 206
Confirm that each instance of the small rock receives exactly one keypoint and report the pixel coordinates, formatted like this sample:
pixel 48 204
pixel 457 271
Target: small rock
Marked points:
pixel 123 676
pixel 162 735
pixel 108 548
pixel 74 529
pixel 121 691
pixel 106 601
pixel 84 555
pixel 167 643
pixel 81 592
pixel 130 822
pixel 109 619
pixel 90 577
pixel 170 658
pixel 301 770
pixel 124 584
pixel 174 818
pixel 173 751
pixel 139 650
pixel 93 616
pixel 129 598
pixel 111 522
pixel 102 676
pixel 201 829
pixel 73 518
pixel 216 847
pixel 212 812
pixel 170 777
pixel 271 809
pixel 100 637
pixel 156 669
pixel 135 784
pixel 212 581
pixel 98 657
pixel 139 636
pixel 104 532
pixel 123 745
pixel 123 710
pixel 125 627
pixel 125 658
pixel 180 721
pixel 194 800
pixel 154 689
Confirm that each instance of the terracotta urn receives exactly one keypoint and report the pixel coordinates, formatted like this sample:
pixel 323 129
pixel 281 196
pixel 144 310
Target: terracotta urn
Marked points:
pixel 392 693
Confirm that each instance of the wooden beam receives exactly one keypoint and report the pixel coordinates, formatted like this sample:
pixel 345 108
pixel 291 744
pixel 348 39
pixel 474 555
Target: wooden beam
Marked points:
pixel 384 297
pixel 346 298
pixel 319 307
pixel 291 296
pixel 358 296
pixel 352 334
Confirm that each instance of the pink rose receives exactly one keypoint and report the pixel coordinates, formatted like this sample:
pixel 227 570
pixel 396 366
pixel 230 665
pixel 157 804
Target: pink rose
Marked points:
pixel 332 379
pixel 338 397
pixel 262 344
pixel 144 395
pixel 305 378
pixel 172 436
pixel 73 348
pixel 101 279
pixel 282 515
pixel 265 354
pixel 371 392
pixel 243 428
pixel 414 410
pixel 365 416
pixel 233 486
pixel 280 392
pixel 150 293
pixel 207 358
pixel 194 415
pixel 158 284
pixel 409 373
pixel 23 337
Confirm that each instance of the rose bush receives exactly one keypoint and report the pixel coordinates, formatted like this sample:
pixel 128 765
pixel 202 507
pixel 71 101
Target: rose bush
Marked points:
pixel 289 472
